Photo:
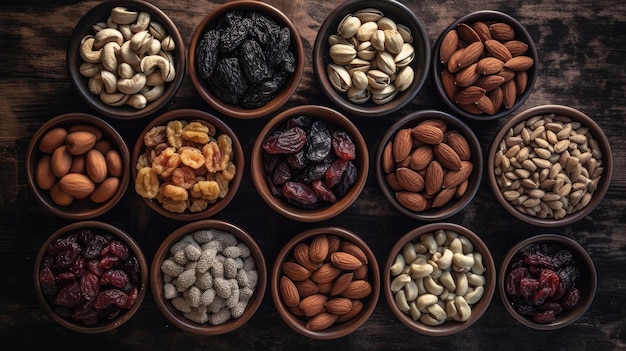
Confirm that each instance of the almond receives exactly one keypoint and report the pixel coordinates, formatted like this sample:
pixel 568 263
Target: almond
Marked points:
pixel 454 178
pixel 461 188
pixel 482 29
pixel 498 50
pixel 486 105
pixel 114 163
pixel 443 197
pixel 361 273
pixel 519 63
pixel 312 305
pixel 288 292
pixel 490 82
pixel 453 62
pixel 509 94
pixel 325 287
pixel 421 157
pixel 86 128
pixel 516 47
pixel 321 321
pixel 339 305
pixel 471 108
pixel 345 261
pixel 467 33
pixel 521 81
pixel 59 196
pixel 77 185
pixel 301 255
pixel 357 289
pixel 435 123
pixel 447 156
pixel 96 166
pixel 471 54
pixel 402 144
pixel 105 190
pixel 502 31
pixel 326 273
pixel 354 250
pixel 409 179
pixel 334 242
pixel 448 46
pixel 357 307
pixel 44 178
pixel 79 142
pixel 392 181
pixel 318 250
pixel 433 178
pixel 53 138
pixel 306 288
pixel 469 95
pixel 103 146
pixel 507 74
pixel 78 164
pixel 295 271
pixel 496 97
pixel 412 201
pixel 341 283
pixel 489 65
pixel 427 133
pixel 61 161
pixel 467 76
pixel 447 82
pixel 459 144
pixel 388 161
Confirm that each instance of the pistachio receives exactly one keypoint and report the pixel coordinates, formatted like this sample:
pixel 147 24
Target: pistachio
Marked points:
pixel 405 32
pixel 383 96
pixel 404 78
pixel 405 56
pixel 378 79
pixel 348 26
pixel 378 40
pixel 393 41
pixel 369 14
pixel 357 95
pixel 360 80
pixel 339 77
pixel 385 23
pixel 358 65
pixel 386 63
pixel 366 30
pixel 366 51
pixel 342 53
pixel 337 39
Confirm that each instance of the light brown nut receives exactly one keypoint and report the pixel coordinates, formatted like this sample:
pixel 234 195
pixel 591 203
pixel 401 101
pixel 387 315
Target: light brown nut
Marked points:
pixel 326 273
pixel 412 201
pixel 105 190
pixel 77 185
pixel 471 54
pixel 354 250
pixel 295 271
pixel 44 178
pixel 448 46
pixel 459 144
pixel 339 305
pixel 409 179
pixel 312 305
pixel 96 166
pixel 427 133
pixel 341 283
pixel 52 140
pixel 447 156
pixel 318 249
pixel 79 142
pixel 357 289
pixel 345 261
pixel 288 292
pixel 402 144
pixel 321 321
pixel 454 178
pixel 502 31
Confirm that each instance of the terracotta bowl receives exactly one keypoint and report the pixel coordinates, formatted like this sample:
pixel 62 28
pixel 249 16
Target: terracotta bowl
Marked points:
pixel 585 283
pixel 45 183
pixel 118 106
pixel 272 194
pixel 227 238
pixel 187 211
pixel 338 240
pixel 399 289
pixel 415 198
pixel 76 318
pixel 575 206
pixel 400 14
pixel 230 108
pixel 486 109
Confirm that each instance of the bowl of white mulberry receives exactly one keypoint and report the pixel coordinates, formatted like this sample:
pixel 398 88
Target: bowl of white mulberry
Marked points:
pixel 187 164
pixel 547 281
pixel 246 59
pixel 309 163
pixel 90 277
pixel 209 277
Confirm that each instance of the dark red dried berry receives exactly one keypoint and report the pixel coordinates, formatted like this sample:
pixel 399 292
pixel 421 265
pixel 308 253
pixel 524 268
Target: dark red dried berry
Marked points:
pixel 541 296
pixel 285 142
pixel 528 286
pixel 111 297
pixel 300 193
pixel 343 146
pixel 323 192
pixel 513 279
pixel 544 317
pixel 571 298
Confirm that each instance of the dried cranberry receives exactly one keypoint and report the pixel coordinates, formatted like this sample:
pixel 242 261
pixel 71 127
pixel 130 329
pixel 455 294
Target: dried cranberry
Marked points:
pixel 110 297
pixel 571 298
pixel 47 280
pixel 323 192
pixel 69 296
pixel 544 317
pixel 89 285
pixel 118 248
pixel 528 286
pixel 343 146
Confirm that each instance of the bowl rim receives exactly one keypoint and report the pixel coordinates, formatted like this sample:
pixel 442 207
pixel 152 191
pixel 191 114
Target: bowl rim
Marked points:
pixel 221 127
pixel 156 278
pixel 295 322
pixel 323 213
pixel 122 235
pixel 520 31
pixel 320 60
pixel 288 89
pixel 33 155
pixel 449 327
pixel 564 241
pixel 73 60
pixel 455 123
pixel 598 135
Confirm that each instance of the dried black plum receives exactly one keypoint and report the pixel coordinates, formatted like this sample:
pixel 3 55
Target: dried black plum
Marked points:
pixel 259 95
pixel 263 26
pixel 206 53
pixel 253 63
pixel 278 44
pixel 234 35
pixel 228 81
pixel 318 141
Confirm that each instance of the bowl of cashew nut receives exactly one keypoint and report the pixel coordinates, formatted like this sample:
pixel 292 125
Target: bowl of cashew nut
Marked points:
pixel 126 58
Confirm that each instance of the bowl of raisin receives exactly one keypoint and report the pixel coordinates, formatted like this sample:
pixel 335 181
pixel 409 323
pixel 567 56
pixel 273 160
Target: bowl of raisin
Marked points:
pixel 90 276
pixel 547 281
pixel 246 59
pixel 309 163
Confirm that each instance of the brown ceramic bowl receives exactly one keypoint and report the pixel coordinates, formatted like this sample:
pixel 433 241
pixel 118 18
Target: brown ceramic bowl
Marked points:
pixel 428 207
pixel 121 109
pixel 400 14
pixel 546 214
pixel 294 317
pixel 220 237
pixel 272 194
pixel 82 234
pixel 415 244
pixel 75 207
pixel 238 109
pixel 187 211
pixel 472 112
pixel 585 283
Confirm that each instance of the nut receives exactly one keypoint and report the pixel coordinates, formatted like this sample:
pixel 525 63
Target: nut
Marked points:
pixel 96 166
pixel 76 185
pixel 79 142
pixel 345 261
pixel 288 292
pixel 52 139
pixel 105 190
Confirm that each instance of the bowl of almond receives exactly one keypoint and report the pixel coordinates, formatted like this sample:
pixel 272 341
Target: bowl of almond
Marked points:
pixel 484 65
pixel 429 165
pixel 325 282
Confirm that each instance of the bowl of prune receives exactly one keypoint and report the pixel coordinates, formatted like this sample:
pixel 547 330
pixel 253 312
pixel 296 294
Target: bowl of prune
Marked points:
pixel 547 281
pixel 246 59
pixel 309 163
pixel 90 276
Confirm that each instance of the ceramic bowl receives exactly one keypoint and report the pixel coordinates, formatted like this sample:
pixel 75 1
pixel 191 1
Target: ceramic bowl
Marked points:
pixel 302 311
pixel 501 98
pixel 209 243
pixel 250 105
pixel 411 294
pixel 95 194
pixel 128 102
pixel 56 298
pixel 585 177
pixel 536 317
pixel 416 185
pixel 351 171
pixel 399 14
pixel 201 198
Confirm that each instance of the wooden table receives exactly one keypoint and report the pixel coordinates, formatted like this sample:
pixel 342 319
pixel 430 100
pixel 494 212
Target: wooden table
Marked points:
pixel 581 47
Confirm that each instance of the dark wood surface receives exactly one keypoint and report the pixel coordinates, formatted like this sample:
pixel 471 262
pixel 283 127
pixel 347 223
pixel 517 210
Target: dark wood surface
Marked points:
pixel 581 47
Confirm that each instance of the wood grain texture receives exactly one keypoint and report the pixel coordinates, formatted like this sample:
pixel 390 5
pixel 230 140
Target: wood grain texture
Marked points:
pixel 581 47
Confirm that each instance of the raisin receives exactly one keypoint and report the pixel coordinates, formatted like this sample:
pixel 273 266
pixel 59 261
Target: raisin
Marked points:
pixel 562 258
pixel 108 261
pixel 261 94
pixel 524 309
pixel 343 146
pixel 282 173
pixel 66 257
pixel 253 62
pixel 132 269
pixel 270 161
pixel 301 121
pixel 133 295
pixel 335 172
pixel 544 317
pixel 297 160
pixel 314 171
pixel 47 280
pixel 110 297
pixel 556 307
pixel 89 285
pixel 538 258
pixel 285 142
pixel 567 277
pixel 116 278
pixel 278 44
pixel 549 278
pixel 94 246
pixel 228 82
pixel 323 192
pixel 528 286
pixel 69 296
pixel 541 295
pixel 235 34
pixel 319 141
pixel 301 193
pixel 66 277
pixel 347 180
pixel 60 245
pixel 570 299
pixel 94 267
pixel 513 279
pixel 288 63
pixel 119 249
pixel 263 26
pixel 86 313
pixel 206 53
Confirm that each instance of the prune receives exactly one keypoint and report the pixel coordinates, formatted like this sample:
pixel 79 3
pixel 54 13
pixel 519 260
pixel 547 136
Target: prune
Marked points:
pixel 297 160
pixel 301 121
pixel 270 161
pixel 282 173
pixel 562 258
pixel 263 26
pixel 70 296
pixel 343 146
pixel 260 94
pixel 289 63
pixel 314 171
pixel 528 286
pixel 277 45
pixel 319 141
pixel 285 142
pixel 66 257
pixel 570 299
pixel 207 52
pixel 334 173
pixel 347 180
pixel 132 269
pixel 228 81
pixel 301 193
pixel 47 281
pixel 94 246
pixel 110 297
pixel 253 62
pixel 235 34
pixel 544 317
pixel 323 192
pixel 525 309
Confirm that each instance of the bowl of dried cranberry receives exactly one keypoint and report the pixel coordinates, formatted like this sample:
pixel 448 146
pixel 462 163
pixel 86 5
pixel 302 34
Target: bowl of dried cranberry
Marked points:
pixel 90 277
pixel 547 282
pixel 309 163
pixel 246 59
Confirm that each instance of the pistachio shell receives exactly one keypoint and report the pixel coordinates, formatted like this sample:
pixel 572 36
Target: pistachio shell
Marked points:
pixel 342 53
pixel 360 80
pixel 387 23
pixel 386 62
pixel 358 96
pixel 378 40
pixel 366 30
pixel 383 96
pixel 339 77
pixel 393 41
pixel 404 78
pixel 366 51
pixel 348 26
pixel 369 14
pixel 358 65
pixel 337 39
pixel 405 56
pixel 378 79
pixel 405 32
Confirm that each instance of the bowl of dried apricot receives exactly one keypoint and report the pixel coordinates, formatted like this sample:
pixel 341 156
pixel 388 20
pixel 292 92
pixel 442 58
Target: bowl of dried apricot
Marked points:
pixel 547 281
pixel 325 282
pixel 484 65
pixel 187 164
pixel 429 165
pixel 90 276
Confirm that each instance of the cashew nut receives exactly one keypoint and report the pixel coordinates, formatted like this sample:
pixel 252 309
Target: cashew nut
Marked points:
pixel 126 32
pixel 114 99
pixel 108 35
pixel 157 30
pixel 401 301
pixel 426 300
pixel 124 70
pixel 89 69
pixel 154 79
pixel 129 56
pixel 137 101
pixel 99 26
pixel 151 62
pixel 155 47
pixel 95 85
pixel 122 15
pixel 87 53
pixel 111 23
pixel 141 42
pixel 473 296
pixel 132 85
pixel 168 43
pixel 109 56
pixel 110 81
pixel 399 282
pixel 153 93
pixel 398 265
pixel 143 21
